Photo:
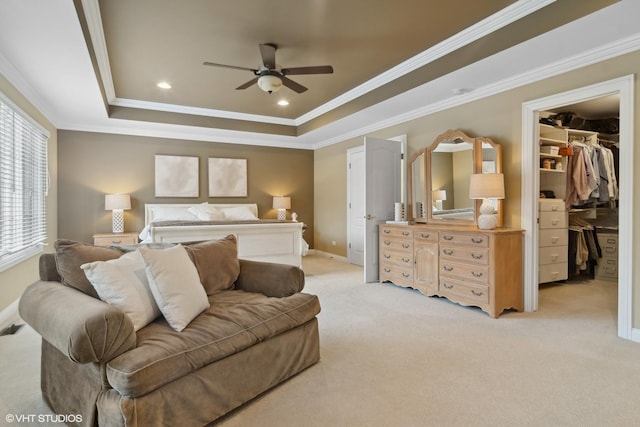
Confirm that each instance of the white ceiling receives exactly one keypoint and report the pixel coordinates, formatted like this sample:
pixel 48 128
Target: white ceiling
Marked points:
pixel 44 54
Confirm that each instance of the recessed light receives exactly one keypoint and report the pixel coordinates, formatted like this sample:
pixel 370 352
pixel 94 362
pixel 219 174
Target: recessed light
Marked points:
pixel 164 85
pixel 460 91
pixel 283 102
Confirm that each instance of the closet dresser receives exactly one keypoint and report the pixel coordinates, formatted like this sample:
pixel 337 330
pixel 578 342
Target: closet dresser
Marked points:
pixel 466 265
pixel 441 251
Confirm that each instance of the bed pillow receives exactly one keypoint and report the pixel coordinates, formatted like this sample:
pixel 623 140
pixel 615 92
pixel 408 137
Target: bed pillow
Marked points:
pixel 175 285
pixel 122 282
pixel 70 255
pixel 206 212
pixel 238 213
pixel 172 213
pixel 217 263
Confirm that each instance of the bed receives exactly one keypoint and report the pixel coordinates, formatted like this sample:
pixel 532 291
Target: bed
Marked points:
pixel 258 240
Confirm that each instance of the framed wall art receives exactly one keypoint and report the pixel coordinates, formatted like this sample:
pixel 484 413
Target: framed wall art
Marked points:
pixel 177 176
pixel 227 177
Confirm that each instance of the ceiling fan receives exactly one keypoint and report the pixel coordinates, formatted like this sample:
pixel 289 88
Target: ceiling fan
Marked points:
pixel 269 78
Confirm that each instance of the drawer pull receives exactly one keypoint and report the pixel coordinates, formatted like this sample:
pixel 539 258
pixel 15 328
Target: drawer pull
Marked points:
pixel 406 259
pixel 554 257
pixel 476 274
pixel 425 236
pixel 406 245
pixel 447 268
pixel 555 239
pixel 446 237
pixel 405 274
pixel 477 256
pixel 554 208
pixel 448 286
pixel 405 233
pixel 447 251
pixel 385 231
pixel 116 242
pixel 387 270
pixel 554 222
pixel 477 240
pixel 611 241
pixel 387 256
pixel 387 242
pixel 477 293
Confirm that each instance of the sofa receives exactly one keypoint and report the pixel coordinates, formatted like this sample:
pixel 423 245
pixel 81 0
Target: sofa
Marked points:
pixel 101 365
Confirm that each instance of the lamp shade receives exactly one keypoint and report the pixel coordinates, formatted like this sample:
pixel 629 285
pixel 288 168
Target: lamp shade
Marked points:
pixel 282 202
pixel 486 186
pixel 440 195
pixel 117 201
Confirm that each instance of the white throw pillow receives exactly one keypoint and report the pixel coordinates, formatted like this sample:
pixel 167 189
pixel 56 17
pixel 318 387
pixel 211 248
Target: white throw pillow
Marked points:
pixel 122 282
pixel 238 213
pixel 175 284
pixel 206 212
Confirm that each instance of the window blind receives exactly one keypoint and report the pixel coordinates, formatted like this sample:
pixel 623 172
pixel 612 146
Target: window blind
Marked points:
pixel 23 185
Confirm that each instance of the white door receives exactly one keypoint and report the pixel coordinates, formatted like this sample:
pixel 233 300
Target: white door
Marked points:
pixel 383 176
pixel 355 205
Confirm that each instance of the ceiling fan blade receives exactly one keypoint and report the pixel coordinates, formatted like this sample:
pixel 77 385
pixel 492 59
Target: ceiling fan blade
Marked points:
pixel 296 87
pixel 268 53
pixel 247 84
pixel 213 64
pixel 320 69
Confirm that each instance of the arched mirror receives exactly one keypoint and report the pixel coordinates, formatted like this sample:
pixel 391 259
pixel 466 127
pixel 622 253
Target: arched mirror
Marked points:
pixel 445 168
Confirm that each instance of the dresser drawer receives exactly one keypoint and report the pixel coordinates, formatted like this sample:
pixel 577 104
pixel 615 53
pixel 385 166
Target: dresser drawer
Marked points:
pixel 553 220
pixel 425 235
pixel 470 239
pixel 553 237
pixel 109 239
pixel 608 267
pixel 551 205
pixel 474 273
pixel 465 254
pixel 399 275
pixel 609 245
pixel 389 243
pixel 402 232
pixel 552 272
pixel 464 293
pixel 398 258
pixel 553 254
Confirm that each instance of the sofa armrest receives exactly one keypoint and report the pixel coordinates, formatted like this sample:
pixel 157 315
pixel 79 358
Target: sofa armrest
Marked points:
pixel 83 328
pixel 270 279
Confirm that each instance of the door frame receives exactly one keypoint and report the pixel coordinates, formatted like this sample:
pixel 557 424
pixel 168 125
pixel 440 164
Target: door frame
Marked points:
pixel 350 153
pixel 624 86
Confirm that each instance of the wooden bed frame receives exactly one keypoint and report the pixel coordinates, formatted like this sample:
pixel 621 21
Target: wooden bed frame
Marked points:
pixel 270 241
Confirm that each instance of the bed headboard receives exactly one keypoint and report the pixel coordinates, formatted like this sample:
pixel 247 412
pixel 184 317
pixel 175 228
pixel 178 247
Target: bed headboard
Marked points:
pixel 155 211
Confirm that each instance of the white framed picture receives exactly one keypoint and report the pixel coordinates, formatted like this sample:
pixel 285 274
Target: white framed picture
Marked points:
pixel 227 177
pixel 177 176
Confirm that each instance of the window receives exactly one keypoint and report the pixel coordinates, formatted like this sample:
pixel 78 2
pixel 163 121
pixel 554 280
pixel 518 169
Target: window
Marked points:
pixel 23 185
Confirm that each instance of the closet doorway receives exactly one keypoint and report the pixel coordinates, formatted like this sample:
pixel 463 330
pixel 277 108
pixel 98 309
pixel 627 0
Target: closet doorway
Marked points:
pixel 623 88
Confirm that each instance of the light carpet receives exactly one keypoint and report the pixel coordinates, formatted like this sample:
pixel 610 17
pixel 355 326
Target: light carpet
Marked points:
pixel 392 357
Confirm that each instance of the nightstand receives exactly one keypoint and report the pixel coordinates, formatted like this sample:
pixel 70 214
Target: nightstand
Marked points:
pixel 108 239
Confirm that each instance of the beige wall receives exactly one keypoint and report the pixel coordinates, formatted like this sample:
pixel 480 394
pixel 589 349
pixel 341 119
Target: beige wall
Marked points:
pixel 14 280
pixel 498 117
pixel 93 164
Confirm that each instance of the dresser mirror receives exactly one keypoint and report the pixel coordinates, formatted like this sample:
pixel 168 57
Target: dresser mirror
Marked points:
pixel 439 175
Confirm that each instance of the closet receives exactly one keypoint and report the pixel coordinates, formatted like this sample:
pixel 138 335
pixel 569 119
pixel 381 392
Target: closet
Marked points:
pixel 578 200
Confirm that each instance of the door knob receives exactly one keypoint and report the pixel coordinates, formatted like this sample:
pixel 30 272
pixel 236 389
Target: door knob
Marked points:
pixel 369 216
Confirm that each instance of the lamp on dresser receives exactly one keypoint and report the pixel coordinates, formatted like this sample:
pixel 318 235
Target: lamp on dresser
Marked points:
pixel 117 203
pixel 438 197
pixel 487 186
pixel 282 203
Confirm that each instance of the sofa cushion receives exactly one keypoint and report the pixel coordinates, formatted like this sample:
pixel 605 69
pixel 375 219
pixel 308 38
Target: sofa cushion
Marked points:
pixel 236 320
pixel 122 282
pixel 217 263
pixel 70 255
pixel 175 285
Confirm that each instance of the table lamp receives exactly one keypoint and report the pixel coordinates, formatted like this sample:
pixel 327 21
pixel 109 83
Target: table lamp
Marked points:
pixel 282 203
pixel 487 186
pixel 117 203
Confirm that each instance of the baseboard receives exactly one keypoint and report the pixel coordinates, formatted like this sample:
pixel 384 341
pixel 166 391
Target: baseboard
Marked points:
pixel 328 255
pixel 635 335
pixel 9 315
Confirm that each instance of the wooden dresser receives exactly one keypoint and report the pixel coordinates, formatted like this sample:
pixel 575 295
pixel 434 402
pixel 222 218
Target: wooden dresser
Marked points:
pixel 467 265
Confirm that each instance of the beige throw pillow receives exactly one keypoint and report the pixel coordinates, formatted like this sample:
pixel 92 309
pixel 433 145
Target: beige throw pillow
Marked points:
pixel 123 283
pixel 175 285
pixel 217 263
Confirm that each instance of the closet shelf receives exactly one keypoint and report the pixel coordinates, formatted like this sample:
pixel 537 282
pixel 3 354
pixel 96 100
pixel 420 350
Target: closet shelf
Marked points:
pixel 551 170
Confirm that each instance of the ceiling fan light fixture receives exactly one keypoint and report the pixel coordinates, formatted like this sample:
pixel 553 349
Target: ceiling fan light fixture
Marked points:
pixel 269 83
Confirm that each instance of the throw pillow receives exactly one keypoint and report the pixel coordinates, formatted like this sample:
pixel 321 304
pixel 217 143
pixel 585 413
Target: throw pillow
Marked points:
pixel 123 283
pixel 217 263
pixel 239 213
pixel 70 255
pixel 206 212
pixel 175 285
